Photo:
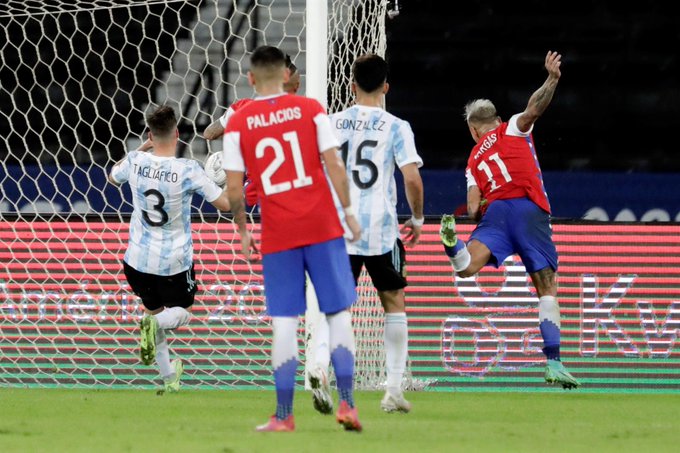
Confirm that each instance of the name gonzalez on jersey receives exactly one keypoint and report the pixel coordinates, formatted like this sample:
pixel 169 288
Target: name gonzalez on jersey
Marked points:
pixel 154 173
pixel 359 125
pixel 275 117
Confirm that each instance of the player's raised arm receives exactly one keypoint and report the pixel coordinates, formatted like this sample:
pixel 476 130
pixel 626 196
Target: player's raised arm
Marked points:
pixel 541 98
pixel 214 131
pixel 413 186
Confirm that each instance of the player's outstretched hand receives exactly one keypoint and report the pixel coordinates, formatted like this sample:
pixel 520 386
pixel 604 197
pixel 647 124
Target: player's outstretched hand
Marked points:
pixel 354 228
pixel 411 233
pixel 248 245
pixel 553 60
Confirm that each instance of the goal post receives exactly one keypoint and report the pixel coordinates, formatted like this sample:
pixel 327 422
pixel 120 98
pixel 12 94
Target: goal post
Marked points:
pixel 75 81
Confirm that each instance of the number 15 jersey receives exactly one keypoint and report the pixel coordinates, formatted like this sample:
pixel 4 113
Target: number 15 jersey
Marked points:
pixel 279 140
pixel 373 143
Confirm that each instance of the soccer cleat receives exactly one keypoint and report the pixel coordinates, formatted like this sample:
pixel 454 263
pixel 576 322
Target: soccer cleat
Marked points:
pixel 172 385
pixel 276 425
pixel 395 403
pixel 147 343
pixel 348 417
pixel 321 391
pixel 447 230
pixel 556 373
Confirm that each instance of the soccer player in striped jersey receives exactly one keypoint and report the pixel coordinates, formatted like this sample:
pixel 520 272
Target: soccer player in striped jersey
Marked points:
pixel 284 140
pixel 505 191
pixel 158 262
pixel 216 130
pixel 373 144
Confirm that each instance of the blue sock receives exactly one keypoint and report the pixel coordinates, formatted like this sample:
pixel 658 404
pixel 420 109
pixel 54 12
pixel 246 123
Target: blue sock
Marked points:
pixel 551 339
pixel 284 379
pixel 452 251
pixel 343 364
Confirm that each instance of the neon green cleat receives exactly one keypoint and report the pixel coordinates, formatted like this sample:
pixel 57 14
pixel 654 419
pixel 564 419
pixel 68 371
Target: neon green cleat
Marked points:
pixel 147 342
pixel 447 230
pixel 556 373
pixel 172 384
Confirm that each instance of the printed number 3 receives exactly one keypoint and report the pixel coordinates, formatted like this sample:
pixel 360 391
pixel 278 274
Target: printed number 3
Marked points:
pixel 301 180
pixel 158 207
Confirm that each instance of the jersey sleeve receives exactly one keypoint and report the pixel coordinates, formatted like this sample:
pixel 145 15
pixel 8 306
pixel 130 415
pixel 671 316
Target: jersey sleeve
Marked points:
pixel 232 158
pixel 225 118
pixel 514 131
pixel 470 178
pixel 325 137
pixel 202 184
pixel 404 145
pixel 120 172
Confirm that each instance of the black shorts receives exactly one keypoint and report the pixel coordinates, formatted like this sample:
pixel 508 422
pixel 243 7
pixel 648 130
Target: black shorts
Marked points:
pixel 388 271
pixel 158 291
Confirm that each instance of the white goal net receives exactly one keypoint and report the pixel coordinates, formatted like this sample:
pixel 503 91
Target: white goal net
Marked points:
pixel 75 81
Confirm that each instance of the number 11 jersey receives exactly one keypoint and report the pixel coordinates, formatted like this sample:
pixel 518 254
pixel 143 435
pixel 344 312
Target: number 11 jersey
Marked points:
pixel 279 140
pixel 373 143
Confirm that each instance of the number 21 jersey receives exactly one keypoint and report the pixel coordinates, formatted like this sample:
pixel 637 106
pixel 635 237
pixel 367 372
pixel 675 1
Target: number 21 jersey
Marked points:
pixel 279 140
pixel 373 143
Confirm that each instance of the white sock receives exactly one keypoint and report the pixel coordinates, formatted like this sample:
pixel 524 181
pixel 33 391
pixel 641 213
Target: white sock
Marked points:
pixel 322 343
pixel 172 318
pixel 396 350
pixel 284 342
pixel 341 333
pixel 163 355
pixel 461 260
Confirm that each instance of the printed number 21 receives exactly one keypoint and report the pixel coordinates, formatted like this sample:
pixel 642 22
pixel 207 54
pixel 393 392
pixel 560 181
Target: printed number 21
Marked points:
pixel 501 166
pixel 301 179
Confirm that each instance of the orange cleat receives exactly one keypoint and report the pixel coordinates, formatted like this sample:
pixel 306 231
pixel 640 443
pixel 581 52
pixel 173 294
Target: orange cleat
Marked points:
pixel 276 425
pixel 348 417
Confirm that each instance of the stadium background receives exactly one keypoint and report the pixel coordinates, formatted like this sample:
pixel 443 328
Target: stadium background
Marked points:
pixel 603 145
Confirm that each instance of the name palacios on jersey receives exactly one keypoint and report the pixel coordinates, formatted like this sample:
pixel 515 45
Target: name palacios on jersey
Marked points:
pixel 275 117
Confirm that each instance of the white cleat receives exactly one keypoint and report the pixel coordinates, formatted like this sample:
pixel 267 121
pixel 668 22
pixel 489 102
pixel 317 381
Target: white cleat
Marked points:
pixel 321 391
pixel 395 403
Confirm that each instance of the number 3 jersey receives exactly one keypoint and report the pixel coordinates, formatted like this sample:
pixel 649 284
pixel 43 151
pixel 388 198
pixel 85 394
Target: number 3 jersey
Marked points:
pixel 504 165
pixel 279 140
pixel 160 227
pixel 373 143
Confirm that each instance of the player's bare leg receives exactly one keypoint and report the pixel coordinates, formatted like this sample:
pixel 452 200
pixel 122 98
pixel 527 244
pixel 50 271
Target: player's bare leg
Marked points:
pixel 396 350
pixel 545 282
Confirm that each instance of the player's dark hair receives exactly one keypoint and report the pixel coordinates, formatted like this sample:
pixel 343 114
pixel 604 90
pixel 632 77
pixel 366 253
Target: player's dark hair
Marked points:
pixel 267 57
pixel 370 72
pixel 162 122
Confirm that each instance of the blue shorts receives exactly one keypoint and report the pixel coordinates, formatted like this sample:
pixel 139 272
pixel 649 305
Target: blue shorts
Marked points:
pixel 517 226
pixel 327 264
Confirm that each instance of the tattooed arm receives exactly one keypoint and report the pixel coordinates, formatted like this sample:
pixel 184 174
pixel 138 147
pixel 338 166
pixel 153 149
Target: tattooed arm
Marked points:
pixel 541 98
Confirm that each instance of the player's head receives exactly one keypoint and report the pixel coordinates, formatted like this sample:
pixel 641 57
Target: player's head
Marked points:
pixel 481 117
pixel 267 67
pixel 293 84
pixel 369 74
pixel 162 124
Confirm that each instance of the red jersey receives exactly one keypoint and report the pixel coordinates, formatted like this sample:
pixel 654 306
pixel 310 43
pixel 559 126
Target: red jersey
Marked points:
pixel 504 165
pixel 251 191
pixel 279 139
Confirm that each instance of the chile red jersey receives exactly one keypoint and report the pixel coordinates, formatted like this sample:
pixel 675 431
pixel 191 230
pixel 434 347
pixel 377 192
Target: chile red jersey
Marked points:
pixel 251 190
pixel 504 165
pixel 279 139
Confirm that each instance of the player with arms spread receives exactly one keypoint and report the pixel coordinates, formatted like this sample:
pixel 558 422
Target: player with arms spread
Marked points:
pixel 283 139
pixel 216 129
pixel 158 262
pixel 505 190
pixel 374 143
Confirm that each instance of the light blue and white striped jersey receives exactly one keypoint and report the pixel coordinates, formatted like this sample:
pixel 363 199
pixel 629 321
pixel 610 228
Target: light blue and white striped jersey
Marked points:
pixel 373 143
pixel 160 228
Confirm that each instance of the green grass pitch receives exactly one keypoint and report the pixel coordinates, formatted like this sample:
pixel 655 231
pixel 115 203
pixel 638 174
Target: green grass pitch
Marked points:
pixel 63 420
